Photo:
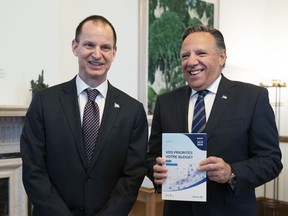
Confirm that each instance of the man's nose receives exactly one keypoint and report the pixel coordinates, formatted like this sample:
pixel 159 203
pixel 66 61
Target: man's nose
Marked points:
pixel 192 61
pixel 97 52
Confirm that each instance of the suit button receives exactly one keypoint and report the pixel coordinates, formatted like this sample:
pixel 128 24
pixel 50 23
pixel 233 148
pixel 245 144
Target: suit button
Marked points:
pixel 82 208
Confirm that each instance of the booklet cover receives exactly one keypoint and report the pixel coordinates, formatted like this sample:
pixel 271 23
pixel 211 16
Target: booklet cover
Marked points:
pixel 183 153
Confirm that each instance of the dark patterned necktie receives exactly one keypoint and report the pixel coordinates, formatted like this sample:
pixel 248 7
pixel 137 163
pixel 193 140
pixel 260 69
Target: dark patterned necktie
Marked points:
pixel 199 116
pixel 91 124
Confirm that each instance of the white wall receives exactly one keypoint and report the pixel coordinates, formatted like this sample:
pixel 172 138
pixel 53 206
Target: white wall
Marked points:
pixel 37 34
pixel 29 42
pixel 256 35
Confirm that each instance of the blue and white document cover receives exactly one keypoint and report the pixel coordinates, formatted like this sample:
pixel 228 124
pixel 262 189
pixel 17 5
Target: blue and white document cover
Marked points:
pixel 183 153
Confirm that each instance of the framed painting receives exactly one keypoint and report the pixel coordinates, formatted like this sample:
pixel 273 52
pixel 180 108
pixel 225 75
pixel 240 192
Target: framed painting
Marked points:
pixel 161 24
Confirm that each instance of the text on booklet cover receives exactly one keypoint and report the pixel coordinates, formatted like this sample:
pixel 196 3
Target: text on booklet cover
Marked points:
pixel 183 153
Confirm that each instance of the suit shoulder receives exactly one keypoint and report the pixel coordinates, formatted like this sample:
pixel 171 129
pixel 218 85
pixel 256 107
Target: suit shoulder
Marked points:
pixel 57 87
pixel 53 92
pixel 181 92
pixel 249 87
pixel 176 92
pixel 124 96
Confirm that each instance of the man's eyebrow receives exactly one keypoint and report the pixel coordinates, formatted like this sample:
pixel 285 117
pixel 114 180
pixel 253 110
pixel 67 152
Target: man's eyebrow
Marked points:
pixel 184 52
pixel 201 50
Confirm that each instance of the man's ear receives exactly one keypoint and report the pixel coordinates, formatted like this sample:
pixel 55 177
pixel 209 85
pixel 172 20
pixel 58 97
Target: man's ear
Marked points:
pixel 114 53
pixel 74 47
pixel 223 57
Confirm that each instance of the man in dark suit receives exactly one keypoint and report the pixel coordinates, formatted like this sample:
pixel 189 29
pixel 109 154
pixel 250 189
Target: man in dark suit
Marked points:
pixel 243 148
pixel 57 176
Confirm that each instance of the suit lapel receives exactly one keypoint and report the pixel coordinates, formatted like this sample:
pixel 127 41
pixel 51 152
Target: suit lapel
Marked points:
pixel 69 101
pixel 225 93
pixel 182 105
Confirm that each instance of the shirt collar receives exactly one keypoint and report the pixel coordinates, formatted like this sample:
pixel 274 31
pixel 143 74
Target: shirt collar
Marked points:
pixel 81 86
pixel 212 88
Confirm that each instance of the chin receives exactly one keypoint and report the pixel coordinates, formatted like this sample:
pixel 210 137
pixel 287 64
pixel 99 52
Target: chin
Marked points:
pixel 196 86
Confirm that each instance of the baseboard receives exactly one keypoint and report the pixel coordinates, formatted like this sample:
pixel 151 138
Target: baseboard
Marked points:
pixel 266 207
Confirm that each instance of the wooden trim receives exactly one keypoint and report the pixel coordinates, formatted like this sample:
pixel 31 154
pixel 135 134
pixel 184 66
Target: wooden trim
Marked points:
pixel 148 203
pixel 268 207
pixel 283 139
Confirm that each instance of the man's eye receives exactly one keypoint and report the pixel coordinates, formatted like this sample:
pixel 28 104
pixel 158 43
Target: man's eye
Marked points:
pixel 106 48
pixel 201 53
pixel 184 56
pixel 89 45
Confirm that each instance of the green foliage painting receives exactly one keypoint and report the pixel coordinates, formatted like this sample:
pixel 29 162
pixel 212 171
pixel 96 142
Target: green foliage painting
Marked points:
pixel 167 21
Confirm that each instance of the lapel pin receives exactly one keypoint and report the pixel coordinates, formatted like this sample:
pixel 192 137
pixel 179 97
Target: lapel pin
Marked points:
pixel 116 105
pixel 224 97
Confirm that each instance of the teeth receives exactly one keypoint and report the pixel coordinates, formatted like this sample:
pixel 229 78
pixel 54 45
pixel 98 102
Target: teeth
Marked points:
pixel 195 72
pixel 95 63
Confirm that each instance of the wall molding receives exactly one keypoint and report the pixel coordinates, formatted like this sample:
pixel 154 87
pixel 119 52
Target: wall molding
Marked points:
pixel 12 110
pixel 283 139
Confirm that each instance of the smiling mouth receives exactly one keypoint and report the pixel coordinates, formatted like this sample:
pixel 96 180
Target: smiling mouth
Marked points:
pixel 94 63
pixel 193 73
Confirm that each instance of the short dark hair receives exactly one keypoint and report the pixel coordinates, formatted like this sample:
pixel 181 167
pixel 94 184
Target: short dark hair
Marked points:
pixel 95 18
pixel 220 43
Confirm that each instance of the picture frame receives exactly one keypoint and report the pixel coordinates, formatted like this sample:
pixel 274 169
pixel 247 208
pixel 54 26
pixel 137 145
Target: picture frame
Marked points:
pixel 143 57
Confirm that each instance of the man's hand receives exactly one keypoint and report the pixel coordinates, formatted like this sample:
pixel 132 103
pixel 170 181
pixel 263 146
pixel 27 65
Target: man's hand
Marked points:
pixel 216 168
pixel 160 172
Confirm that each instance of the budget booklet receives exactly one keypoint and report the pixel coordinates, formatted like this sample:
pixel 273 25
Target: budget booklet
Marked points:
pixel 183 153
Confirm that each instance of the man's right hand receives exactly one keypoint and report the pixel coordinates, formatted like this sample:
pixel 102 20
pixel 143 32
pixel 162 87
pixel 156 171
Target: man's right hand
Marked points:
pixel 160 172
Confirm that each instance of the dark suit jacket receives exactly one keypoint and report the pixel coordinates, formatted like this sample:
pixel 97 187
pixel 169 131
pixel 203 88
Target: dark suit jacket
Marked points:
pixel 241 129
pixel 54 173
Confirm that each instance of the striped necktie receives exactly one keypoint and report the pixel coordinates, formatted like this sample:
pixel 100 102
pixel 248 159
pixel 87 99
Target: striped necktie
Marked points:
pixel 91 124
pixel 199 116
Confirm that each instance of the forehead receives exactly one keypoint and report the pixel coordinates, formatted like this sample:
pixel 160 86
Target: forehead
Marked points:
pixel 96 28
pixel 199 40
